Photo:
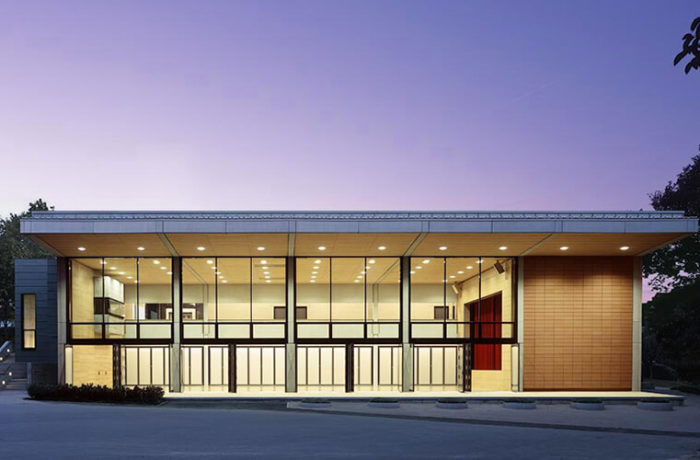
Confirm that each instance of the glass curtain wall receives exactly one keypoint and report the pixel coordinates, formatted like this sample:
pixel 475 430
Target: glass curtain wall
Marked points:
pixel 233 298
pixel 348 297
pixel 121 298
pixel 462 297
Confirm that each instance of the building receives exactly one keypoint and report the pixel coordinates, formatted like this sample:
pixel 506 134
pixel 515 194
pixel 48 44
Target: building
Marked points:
pixel 264 302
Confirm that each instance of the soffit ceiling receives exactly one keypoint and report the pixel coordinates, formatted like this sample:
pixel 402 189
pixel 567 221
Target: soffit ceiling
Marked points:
pixel 353 244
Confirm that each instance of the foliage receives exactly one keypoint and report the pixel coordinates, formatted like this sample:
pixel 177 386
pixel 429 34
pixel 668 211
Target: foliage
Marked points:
pixel 691 47
pixel 679 263
pixel 672 320
pixel 96 393
pixel 14 246
pixel 671 334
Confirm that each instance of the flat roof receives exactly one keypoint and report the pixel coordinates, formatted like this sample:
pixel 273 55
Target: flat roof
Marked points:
pixel 354 233
pixel 358 222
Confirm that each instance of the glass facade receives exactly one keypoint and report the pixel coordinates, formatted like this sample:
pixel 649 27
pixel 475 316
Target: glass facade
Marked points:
pixel 346 326
pixel 121 298
pixel 233 298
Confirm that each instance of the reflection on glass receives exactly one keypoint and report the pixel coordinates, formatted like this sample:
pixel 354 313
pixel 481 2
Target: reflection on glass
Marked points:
pixel 313 288
pixel 268 288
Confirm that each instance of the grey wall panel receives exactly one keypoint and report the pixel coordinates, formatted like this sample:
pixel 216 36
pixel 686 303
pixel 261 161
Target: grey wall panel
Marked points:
pixel 37 276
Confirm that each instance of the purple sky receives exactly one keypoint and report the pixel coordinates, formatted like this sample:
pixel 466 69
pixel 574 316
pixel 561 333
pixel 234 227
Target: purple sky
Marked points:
pixel 343 105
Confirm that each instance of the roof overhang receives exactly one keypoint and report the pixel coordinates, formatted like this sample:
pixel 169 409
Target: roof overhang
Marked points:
pixel 355 233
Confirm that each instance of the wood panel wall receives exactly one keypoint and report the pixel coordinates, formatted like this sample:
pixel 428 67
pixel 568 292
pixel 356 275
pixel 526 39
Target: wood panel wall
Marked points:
pixel 577 316
pixel 92 364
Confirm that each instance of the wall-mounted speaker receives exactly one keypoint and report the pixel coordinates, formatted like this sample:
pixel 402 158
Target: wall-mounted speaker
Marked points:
pixel 499 268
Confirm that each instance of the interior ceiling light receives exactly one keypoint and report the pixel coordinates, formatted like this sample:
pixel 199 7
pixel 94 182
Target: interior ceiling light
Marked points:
pixel 267 281
pixel 224 281
pixel 163 267
pixel 443 248
pixel 357 281
pixel 210 261
pixel 200 248
pixel 413 272
pixel 218 273
pixel 317 261
pixel 452 276
pixel 624 248
pixel 313 281
pixel 112 268
pixel 121 273
pixel 381 248
pixel 156 262
pixel 419 267
pixel 372 261
pixel 479 261
pixel 130 277
pixel 169 273
pixel 263 262
pixel 564 248
pixel 502 248
pixel 103 262
pixel 426 261
pixel 260 248
pixel 460 272
pixel 140 248
pixel 321 248
pixel 81 248
pixel 469 267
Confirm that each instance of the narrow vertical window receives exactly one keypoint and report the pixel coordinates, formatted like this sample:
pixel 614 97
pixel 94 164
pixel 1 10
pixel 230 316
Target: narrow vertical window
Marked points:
pixel 29 321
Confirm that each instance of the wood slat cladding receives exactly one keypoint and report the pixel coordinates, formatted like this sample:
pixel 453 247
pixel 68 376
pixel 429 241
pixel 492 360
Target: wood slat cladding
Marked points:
pixel 577 316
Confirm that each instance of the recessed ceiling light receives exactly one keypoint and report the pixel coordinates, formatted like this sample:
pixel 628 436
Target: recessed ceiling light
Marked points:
pixel 170 273
pixel 140 248
pixel 221 277
pixel 452 276
pixel 419 267
pixel 112 268
pixel 156 262
pixel 313 277
pixel 426 261
pixel 459 272
pixel 317 261
pixel 314 272
pixel 357 281
pixel 218 273
pixel 469 267
pixel 381 248
pixel 266 273
pixel 136 281
pixel 564 248
pixel 163 267
pixel 321 248
pixel 479 261
pixel 312 281
pixel 624 248
pixel 413 272
pixel 372 261
pixel 443 248
pixel 264 262
pixel 130 277
pixel 200 248
pixel 210 261
pixel 502 248
pixel 260 248
pixel 267 281
pixel 81 248
pixel 103 262
pixel 121 273
pixel 363 272
pixel 224 281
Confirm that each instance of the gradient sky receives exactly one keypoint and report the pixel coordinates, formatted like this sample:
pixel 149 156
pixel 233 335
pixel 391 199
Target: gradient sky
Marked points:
pixel 343 105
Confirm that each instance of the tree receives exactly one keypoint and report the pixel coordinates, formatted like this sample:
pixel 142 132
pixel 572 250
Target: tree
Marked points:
pixel 671 319
pixel 677 264
pixel 691 46
pixel 14 246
